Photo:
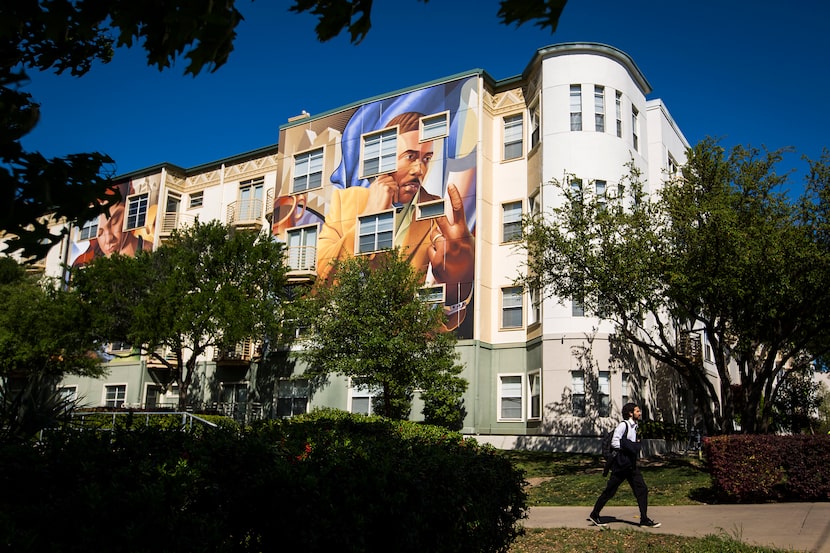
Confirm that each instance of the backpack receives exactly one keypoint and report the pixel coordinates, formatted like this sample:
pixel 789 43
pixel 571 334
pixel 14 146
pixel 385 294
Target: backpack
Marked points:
pixel 608 453
pixel 606 449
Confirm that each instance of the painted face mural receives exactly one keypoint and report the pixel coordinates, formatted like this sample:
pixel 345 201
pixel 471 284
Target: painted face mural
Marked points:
pixel 129 228
pixel 399 172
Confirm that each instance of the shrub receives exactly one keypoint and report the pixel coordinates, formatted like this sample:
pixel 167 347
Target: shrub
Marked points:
pixel 324 482
pixel 747 468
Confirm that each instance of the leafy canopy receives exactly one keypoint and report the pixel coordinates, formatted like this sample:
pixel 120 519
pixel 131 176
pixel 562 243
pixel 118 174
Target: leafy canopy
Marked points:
pixel 207 286
pixel 371 326
pixel 719 252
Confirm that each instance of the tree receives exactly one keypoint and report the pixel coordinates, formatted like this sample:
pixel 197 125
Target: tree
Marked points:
pixel 370 325
pixel 207 286
pixel 66 35
pixel 797 403
pixel 43 336
pixel 718 254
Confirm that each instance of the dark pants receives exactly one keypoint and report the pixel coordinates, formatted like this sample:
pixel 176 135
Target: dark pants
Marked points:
pixel 638 486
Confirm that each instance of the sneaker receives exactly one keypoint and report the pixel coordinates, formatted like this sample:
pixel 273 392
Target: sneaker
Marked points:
pixel 648 523
pixel 595 520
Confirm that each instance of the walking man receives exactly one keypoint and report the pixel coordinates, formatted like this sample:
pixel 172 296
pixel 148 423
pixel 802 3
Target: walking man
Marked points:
pixel 624 468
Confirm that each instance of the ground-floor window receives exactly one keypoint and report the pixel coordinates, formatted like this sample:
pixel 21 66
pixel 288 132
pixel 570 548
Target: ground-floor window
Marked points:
pixel 510 397
pixel 578 393
pixel 114 395
pixel 292 397
pixel 360 398
pixel 535 390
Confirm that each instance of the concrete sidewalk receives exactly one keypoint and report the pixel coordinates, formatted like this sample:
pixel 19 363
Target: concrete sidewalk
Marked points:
pixel 795 526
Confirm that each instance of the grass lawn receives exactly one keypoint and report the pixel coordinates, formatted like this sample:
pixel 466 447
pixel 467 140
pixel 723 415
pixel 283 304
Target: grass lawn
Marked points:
pixel 569 479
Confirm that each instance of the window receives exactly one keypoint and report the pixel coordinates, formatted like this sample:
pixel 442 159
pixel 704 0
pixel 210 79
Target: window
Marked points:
pixel 68 394
pixel 510 397
pixel 535 314
pixel 196 200
pixel 511 302
pixel 535 390
pixel 604 394
pixel 626 388
pixel 292 397
pixel 429 210
pixel 618 102
pixel 156 398
pixel 137 211
pixel 375 232
pixel 89 230
pixel 432 294
pixel 434 126
pixel 578 393
pixel 308 170
pixel 513 136
pixel 577 308
pixel 576 189
pixel 635 127
pixel 576 107
pixel 380 152
pixel 535 135
pixel 535 205
pixel 600 187
pixel 671 166
pixel 234 393
pixel 114 395
pixel 302 248
pixel 120 346
pixel 599 108
pixel 512 219
pixel 361 397
pixel 250 199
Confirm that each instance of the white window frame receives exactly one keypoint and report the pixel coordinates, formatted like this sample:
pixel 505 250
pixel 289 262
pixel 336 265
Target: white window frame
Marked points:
pixel 196 200
pixel 88 230
pixel 136 211
pixel 308 171
pixel 105 401
pixel 250 200
pixel 379 152
pixel 509 297
pixel 507 384
pixel 435 294
pixel 534 395
pixel 433 127
pixel 511 220
pixel 379 225
pixel 635 128
pixel 534 314
pixel 431 209
pixel 599 108
pixel 535 125
pixel 576 107
pixel 601 192
pixel 513 131
pixel 358 390
pixel 302 256
pixel 68 393
pixel 604 393
pixel 578 391
pixel 618 104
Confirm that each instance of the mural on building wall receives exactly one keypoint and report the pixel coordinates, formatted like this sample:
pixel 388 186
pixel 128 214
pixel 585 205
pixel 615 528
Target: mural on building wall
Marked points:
pixel 396 172
pixel 130 227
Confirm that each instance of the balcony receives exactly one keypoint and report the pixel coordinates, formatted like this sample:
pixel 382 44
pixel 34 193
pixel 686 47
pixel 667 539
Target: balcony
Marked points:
pixel 689 346
pixel 246 214
pixel 237 354
pixel 302 263
pixel 173 221
pixel 166 353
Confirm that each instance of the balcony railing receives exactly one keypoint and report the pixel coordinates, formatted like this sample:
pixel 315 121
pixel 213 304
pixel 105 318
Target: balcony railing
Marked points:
pixel 245 212
pixel 689 345
pixel 172 221
pixel 243 352
pixel 302 258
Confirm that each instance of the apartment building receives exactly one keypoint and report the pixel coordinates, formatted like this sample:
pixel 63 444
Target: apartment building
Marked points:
pixel 541 371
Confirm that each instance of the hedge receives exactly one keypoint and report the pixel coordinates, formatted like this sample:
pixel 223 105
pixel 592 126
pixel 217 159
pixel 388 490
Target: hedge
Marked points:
pixel 325 482
pixel 752 468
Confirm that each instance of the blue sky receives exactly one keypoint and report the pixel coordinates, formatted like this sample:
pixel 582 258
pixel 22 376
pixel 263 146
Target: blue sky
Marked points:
pixel 752 73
